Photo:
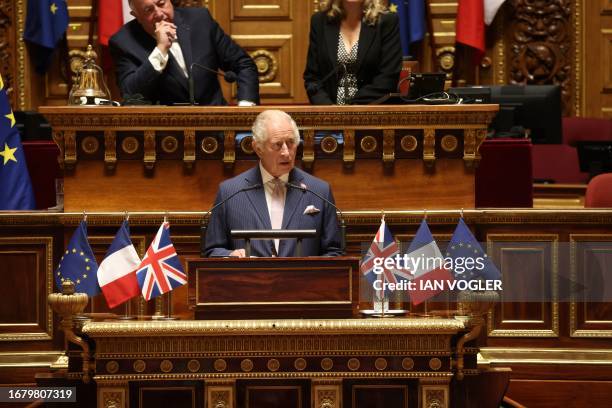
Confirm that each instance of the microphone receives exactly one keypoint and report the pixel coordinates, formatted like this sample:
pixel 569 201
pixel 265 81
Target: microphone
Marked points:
pixel 229 76
pixel 204 225
pixel 313 87
pixel 304 189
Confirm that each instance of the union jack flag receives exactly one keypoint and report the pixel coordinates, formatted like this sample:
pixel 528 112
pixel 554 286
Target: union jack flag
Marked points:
pixel 383 246
pixel 160 270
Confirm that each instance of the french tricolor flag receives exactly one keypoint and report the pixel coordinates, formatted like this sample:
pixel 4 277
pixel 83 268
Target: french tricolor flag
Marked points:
pixel 112 15
pixel 428 262
pixel 117 272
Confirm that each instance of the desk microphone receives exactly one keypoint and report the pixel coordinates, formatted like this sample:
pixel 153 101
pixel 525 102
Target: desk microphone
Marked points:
pixel 303 189
pixel 229 76
pixel 204 224
pixel 313 87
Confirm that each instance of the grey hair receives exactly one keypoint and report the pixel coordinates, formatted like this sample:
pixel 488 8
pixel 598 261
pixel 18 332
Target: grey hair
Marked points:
pixel 260 125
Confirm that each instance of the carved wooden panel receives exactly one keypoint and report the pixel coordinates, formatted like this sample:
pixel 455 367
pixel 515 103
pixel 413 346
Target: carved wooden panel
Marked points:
pixel 591 259
pixel 541 47
pixel 273 56
pixel 261 8
pixel 7 49
pixel 27 276
pixel 528 264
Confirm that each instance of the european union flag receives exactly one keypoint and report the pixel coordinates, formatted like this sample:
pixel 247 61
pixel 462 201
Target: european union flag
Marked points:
pixel 79 264
pixel 411 14
pixel 46 23
pixel 15 185
pixel 462 246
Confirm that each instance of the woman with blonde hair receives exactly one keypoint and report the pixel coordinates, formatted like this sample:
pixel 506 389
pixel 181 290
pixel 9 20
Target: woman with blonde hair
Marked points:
pixel 354 55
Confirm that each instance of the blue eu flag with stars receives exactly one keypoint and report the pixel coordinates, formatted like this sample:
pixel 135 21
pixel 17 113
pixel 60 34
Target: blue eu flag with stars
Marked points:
pixel 15 185
pixel 46 23
pixel 79 264
pixel 411 15
pixel 463 245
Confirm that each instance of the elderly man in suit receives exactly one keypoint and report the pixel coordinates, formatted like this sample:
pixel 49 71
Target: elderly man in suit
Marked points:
pixel 154 55
pixel 266 201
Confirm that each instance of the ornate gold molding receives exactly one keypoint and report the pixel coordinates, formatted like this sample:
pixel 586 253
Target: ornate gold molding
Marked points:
pixel 388 146
pixel 110 149
pixel 522 355
pixel 149 149
pixel 189 147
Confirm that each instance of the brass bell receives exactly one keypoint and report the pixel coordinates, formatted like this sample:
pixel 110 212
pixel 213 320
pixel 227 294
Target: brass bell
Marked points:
pixel 89 87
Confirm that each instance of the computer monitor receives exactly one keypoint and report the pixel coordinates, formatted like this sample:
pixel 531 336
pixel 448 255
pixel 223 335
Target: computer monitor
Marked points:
pixel 534 108
pixel 595 157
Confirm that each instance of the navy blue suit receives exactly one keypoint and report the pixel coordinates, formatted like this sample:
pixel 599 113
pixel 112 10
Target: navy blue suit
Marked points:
pixel 202 41
pixel 249 211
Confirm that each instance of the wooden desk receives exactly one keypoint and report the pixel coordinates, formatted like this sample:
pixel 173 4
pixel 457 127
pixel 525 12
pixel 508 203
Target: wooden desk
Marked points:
pixel 173 158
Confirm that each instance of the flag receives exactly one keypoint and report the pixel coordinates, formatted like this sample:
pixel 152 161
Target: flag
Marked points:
pixel 112 15
pixel 470 27
pixel 472 16
pixel 117 271
pixel 383 246
pixel 79 264
pixel 15 185
pixel 160 270
pixel 46 23
pixel 464 245
pixel 411 15
pixel 490 10
pixel 428 265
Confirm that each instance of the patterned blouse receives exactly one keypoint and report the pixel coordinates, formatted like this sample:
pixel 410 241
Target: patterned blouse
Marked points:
pixel 347 85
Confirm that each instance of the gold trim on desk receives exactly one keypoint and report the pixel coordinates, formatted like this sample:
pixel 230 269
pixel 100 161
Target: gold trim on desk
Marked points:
pixel 546 356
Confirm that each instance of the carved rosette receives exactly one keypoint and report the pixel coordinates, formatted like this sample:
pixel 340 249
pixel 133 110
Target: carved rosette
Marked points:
pixel 267 65
pixel 541 45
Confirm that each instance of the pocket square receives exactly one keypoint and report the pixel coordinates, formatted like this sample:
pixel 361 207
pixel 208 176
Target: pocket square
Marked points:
pixel 311 210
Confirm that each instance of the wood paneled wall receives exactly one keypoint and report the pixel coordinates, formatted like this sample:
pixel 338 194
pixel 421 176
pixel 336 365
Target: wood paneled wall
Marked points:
pixel 567 42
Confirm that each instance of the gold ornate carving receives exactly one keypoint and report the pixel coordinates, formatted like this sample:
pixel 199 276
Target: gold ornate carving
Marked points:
pixel 166 366
pixel 189 140
pixel 407 363
pixel 58 138
pixel 429 147
pixel 300 364
pixel 90 144
pixel 169 144
pixel 193 366
pixel 110 149
pixel 380 364
pixel 149 149
pixel 112 367
pixel 273 364
pixel 209 145
pixel 353 364
pixel 219 398
pixel 246 365
pixel 70 151
pixel 388 146
pixel 368 144
pixel 446 58
pixel 541 45
pixel 409 143
pixel 112 398
pixel 327 364
pixel 472 140
pixel 349 148
pixel 435 396
pixel 267 65
pixel 435 364
pixel 246 145
pixel 449 143
pixel 229 148
pixel 327 393
pixel 220 365
pixel 329 144
pixel 139 366
pixel 308 155
pixel 130 145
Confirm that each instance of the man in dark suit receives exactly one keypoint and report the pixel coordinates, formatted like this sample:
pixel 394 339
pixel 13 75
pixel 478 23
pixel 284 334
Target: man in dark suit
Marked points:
pixel 270 203
pixel 154 54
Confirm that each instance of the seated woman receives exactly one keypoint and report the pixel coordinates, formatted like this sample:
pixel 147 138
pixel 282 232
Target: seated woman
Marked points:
pixel 354 56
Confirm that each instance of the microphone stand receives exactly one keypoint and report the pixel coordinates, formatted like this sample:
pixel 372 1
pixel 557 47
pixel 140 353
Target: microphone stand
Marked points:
pixel 204 224
pixel 229 76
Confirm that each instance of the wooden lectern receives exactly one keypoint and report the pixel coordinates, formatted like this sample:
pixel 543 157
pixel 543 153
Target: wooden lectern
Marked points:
pixel 273 288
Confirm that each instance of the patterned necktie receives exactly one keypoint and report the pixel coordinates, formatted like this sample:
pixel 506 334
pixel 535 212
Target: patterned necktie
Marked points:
pixel 277 206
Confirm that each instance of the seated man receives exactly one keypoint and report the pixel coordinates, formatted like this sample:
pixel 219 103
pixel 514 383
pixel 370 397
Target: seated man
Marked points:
pixel 274 205
pixel 154 54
